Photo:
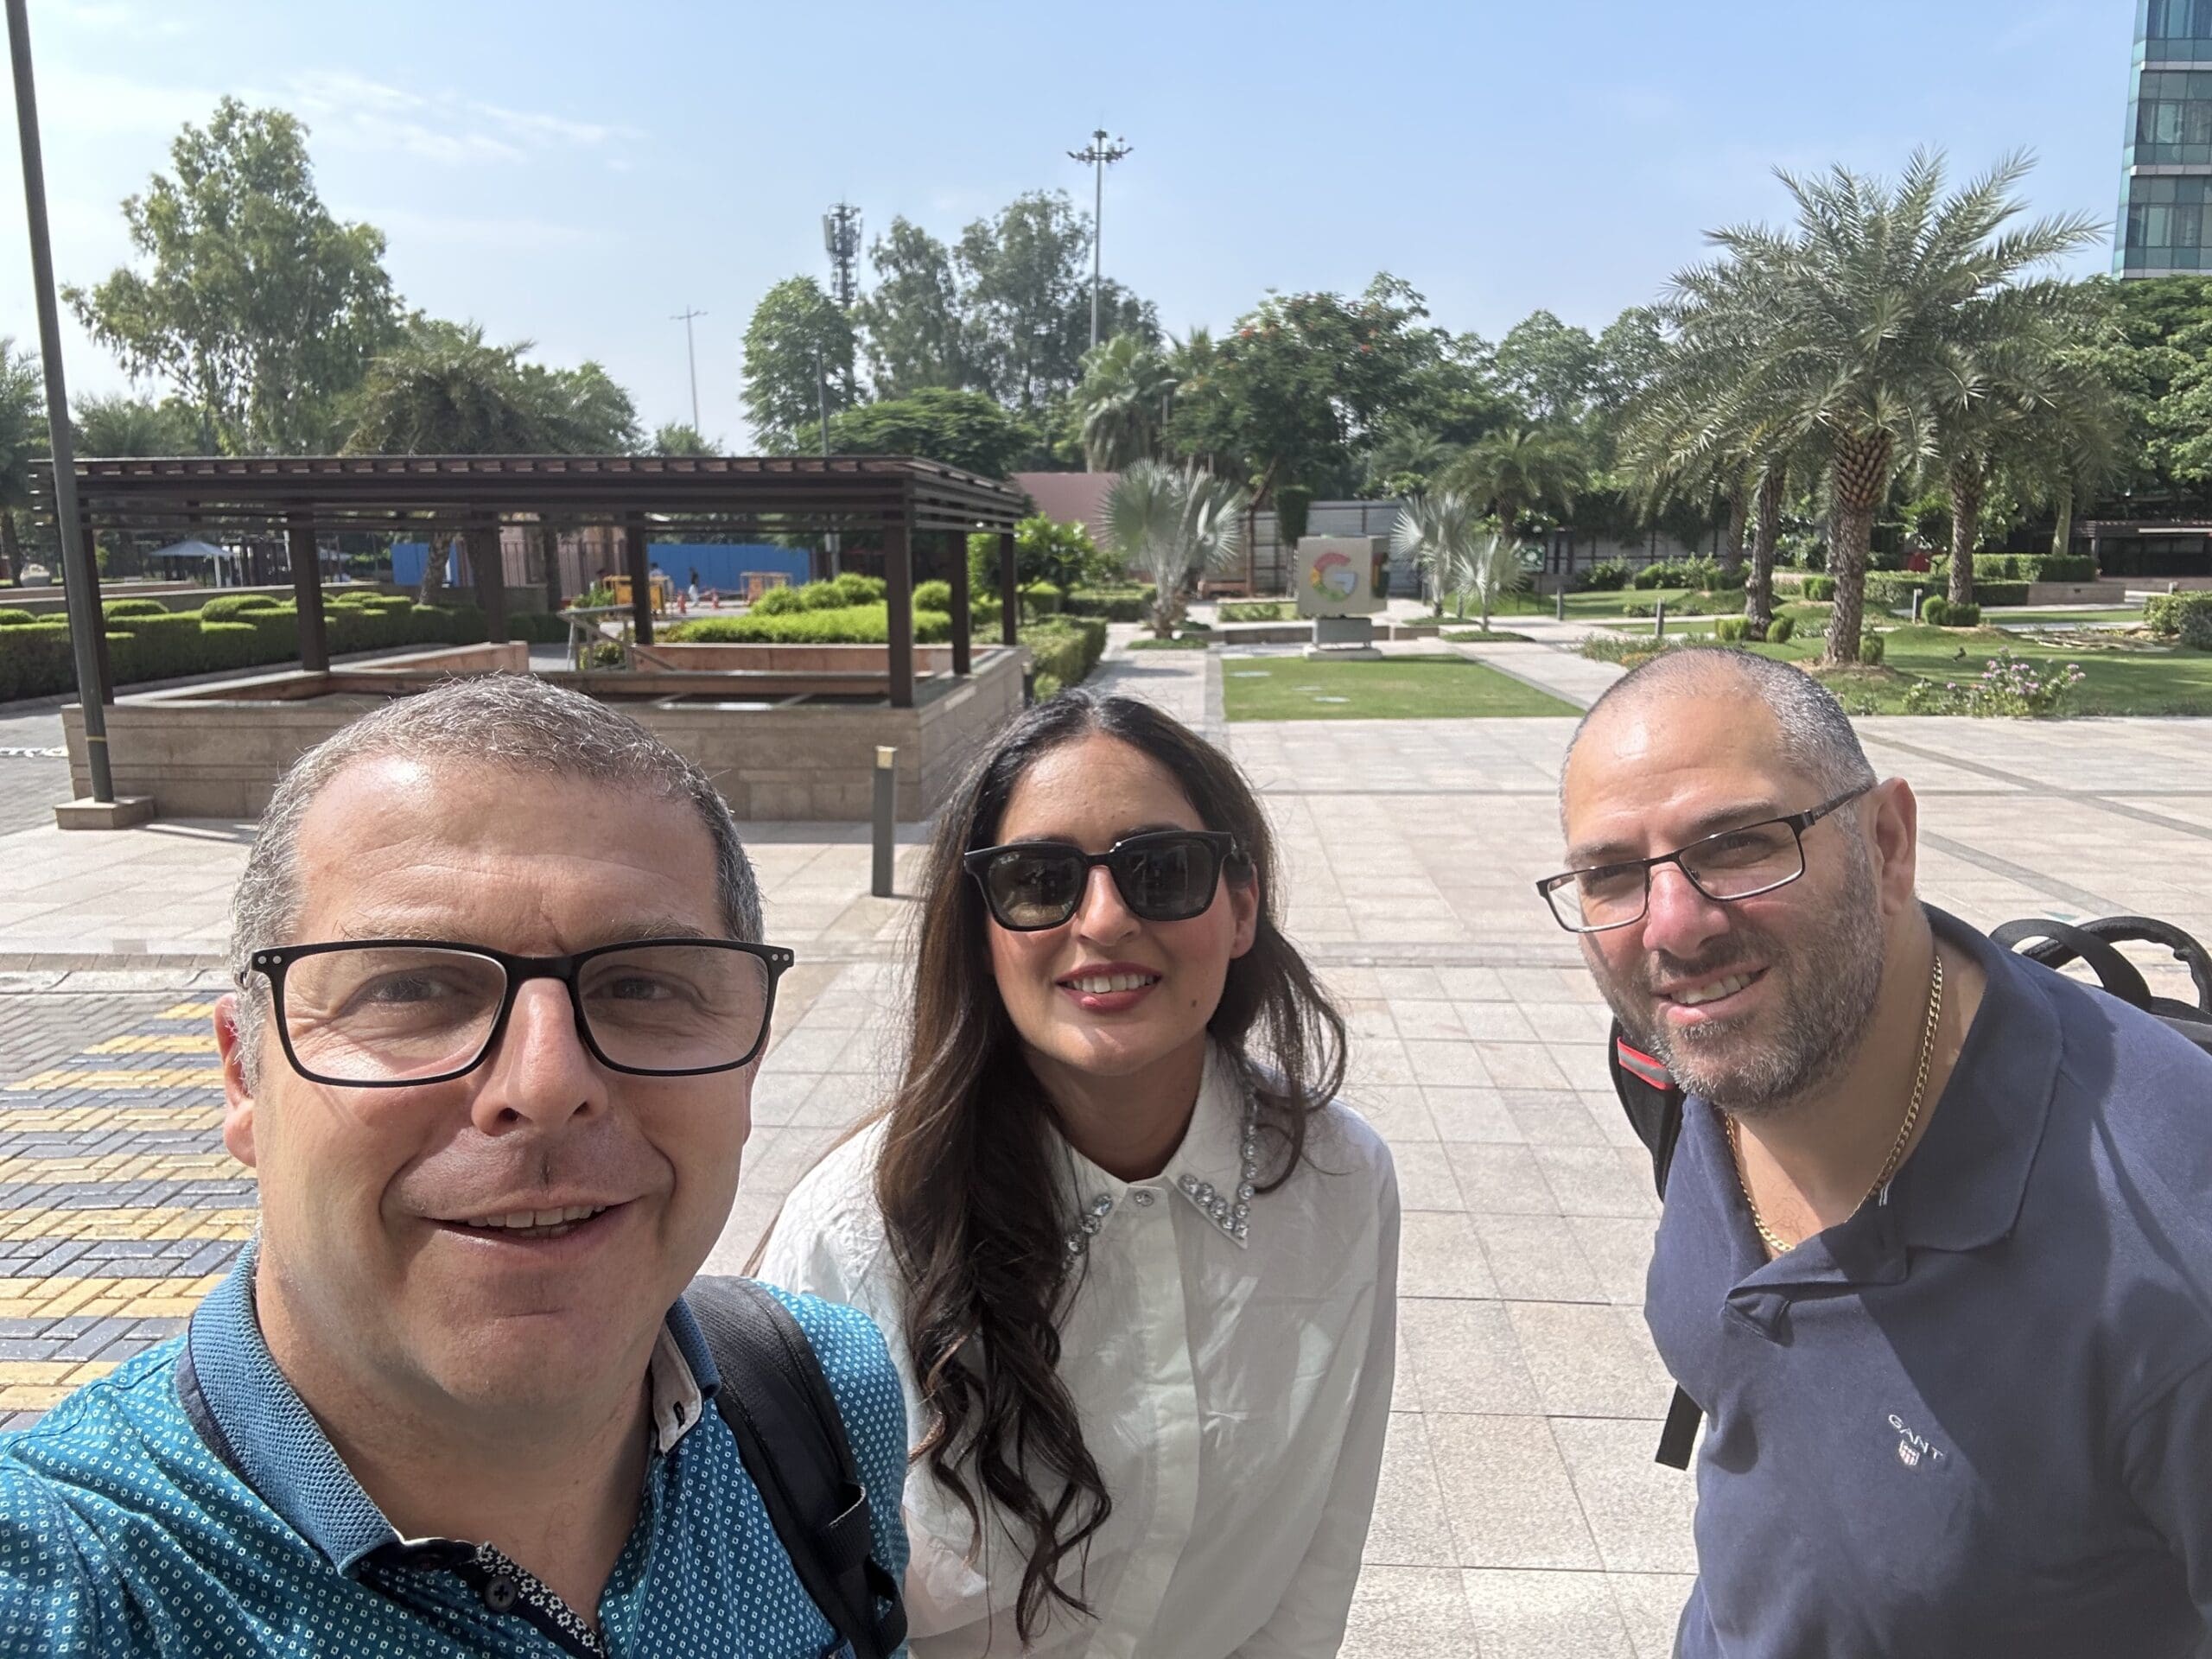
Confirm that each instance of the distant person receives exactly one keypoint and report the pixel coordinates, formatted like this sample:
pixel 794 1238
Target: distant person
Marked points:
pixel 501 1000
pixel 1138 1268
pixel 694 589
pixel 1934 1259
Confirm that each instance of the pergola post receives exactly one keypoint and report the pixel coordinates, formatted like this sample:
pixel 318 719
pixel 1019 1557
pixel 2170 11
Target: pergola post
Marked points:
pixel 635 560
pixel 306 589
pixel 489 567
pixel 898 580
pixel 1009 593
pixel 962 652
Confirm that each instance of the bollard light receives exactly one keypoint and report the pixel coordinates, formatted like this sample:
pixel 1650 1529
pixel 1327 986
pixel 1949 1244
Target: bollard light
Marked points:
pixel 886 815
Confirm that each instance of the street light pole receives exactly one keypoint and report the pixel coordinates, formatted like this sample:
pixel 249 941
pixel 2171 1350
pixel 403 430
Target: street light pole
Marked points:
pixel 1099 156
pixel 691 356
pixel 85 620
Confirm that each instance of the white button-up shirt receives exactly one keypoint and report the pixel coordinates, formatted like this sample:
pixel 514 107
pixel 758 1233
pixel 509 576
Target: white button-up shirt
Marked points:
pixel 1232 1376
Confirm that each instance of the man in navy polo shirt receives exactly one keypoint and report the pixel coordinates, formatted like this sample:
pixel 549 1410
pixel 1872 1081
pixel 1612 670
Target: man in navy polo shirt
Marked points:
pixel 492 1059
pixel 1936 1254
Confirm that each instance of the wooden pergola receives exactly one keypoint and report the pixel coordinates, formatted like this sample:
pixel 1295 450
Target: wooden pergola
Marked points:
pixel 890 500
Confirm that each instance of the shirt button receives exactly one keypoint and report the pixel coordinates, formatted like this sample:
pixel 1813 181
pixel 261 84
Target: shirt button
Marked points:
pixel 1142 1198
pixel 499 1594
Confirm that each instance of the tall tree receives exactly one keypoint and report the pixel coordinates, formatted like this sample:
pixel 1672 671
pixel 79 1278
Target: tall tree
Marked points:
pixel 23 438
pixel 680 438
pixel 1026 296
pixel 1839 332
pixel 961 428
pixel 911 318
pixel 1552 367
pixel 798 353
pixel 254 303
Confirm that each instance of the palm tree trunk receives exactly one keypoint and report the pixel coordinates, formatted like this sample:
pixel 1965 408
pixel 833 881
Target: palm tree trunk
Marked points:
pixel 1732 551
pixel 1966 488
pixel 434 569
pixel 1758 593
pixel 11 550
pixel 1858 476
pixel 2062 533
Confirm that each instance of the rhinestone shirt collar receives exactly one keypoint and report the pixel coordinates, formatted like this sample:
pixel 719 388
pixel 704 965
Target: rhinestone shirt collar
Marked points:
pixel 1216 1169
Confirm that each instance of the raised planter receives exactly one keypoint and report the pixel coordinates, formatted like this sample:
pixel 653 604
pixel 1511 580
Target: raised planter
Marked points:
pixel 780 745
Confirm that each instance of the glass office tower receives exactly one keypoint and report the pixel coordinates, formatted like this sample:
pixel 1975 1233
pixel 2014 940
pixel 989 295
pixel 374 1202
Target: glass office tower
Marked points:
pixel 2165 221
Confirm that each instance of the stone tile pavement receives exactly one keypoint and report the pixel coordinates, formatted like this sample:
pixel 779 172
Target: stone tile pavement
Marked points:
pixel 1520 1513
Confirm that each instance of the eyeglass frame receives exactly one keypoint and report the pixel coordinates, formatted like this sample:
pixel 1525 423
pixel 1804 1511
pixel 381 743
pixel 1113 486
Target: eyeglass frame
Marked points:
pixel 273 963
pixel 1796 823
pixel 1226 849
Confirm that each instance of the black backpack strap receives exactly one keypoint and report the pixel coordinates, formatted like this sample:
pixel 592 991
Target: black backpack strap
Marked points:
pixel 791 1438
pixel 2063 942
pixel 1654 1104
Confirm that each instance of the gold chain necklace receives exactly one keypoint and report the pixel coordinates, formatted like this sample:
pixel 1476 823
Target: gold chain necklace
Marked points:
pixel 1773 1240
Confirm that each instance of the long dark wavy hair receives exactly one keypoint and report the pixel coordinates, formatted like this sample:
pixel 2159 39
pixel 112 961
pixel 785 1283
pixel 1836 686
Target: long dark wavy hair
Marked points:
pixel 974 1202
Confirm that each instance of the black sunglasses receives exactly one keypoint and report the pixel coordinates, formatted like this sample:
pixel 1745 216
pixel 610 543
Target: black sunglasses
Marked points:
pixel 1163 876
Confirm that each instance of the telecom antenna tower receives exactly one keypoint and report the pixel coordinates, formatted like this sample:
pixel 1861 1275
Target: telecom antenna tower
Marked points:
pixel 841 237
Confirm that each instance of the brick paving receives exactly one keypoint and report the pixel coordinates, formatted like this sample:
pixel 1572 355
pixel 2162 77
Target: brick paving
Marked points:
pixel 1519 1512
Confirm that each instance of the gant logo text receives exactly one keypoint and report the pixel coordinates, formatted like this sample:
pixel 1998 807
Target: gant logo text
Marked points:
pixel 1914 1449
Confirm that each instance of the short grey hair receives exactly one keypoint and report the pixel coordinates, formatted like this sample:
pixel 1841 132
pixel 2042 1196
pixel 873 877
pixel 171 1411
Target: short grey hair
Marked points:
pixel 1818 739
pixel 514 721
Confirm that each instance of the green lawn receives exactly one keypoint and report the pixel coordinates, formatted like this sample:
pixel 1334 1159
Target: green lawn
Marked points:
pixel 2155 681
pixel 2065 619
pixel 1396 688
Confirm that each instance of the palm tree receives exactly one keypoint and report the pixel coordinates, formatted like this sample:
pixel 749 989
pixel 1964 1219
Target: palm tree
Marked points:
pixel 1402 459
pixel 2022 402
pixel 1496 570
pixel 1842 333
pixel 1122 402
pixel 681 438
pixel 120 426
pixel 1171 524
pixel 1517 470
pixel 1440 532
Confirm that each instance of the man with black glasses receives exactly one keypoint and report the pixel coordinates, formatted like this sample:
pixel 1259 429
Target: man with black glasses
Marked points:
pixel 1934 1259
pixel 501 993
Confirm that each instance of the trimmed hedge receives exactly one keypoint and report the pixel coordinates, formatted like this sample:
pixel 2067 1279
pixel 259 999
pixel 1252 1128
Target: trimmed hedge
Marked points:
pixel 1817 590
pixel 112 608
pixel 2166 612
pixel 2021 567
pixel 1942 613
pixel 1729 630
pixel 160 645
pixel 231 606
pixel 1607 577
pixel 1685 573
pixel 1042 598
pixel 849 625
pixel 1779 630
pixel 15 618
pixel 1064 649
pixel 2197 628
pixel 1109 604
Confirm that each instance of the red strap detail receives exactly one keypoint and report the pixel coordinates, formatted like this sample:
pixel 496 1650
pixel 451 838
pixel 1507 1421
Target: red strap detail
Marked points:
pixel 1642 1066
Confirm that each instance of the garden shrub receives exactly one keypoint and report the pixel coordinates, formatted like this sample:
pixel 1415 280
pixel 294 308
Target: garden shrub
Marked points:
pixel 1042 598
pixel 15 618
pixel 1109 604
pixel 1870 648
pixel 1731 630
pixel 1607 577
pixel 1259 610
pixel 230 606
pixel 2163 612
pixel 1064 649
pixel 1934 611
pixel 1779 630
pixel 853 588
pixel 850 625
pixel 2008 686
pixel 2196 627
pixel 112 608
pixel 933 596
pixel 1819 589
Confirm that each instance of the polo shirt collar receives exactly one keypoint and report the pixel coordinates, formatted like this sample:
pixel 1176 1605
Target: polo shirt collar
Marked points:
pixel 1963 1187
pixel 255 1421
pixel 1213 1169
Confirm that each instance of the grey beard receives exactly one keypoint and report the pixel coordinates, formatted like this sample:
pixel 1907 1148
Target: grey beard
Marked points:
pixel 1835 981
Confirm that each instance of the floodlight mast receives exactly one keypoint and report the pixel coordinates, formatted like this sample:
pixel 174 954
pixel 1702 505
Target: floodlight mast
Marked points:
pixel 1098 156
pixel 691 356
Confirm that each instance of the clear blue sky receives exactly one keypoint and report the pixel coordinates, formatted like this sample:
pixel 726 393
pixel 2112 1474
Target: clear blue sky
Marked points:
pixel 576 174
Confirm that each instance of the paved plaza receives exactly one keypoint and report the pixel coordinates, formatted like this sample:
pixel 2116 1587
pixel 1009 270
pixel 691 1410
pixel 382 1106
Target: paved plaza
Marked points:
pixel 1521 1512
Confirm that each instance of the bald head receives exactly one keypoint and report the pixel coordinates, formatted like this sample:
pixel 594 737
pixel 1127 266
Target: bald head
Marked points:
pixel 1809 734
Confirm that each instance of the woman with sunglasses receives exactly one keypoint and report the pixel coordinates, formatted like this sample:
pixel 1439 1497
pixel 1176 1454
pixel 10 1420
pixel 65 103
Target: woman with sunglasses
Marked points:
pixel 1136 1267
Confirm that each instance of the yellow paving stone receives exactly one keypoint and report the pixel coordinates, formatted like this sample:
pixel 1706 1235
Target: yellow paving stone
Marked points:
pixel 165 1042
pixel 122 1166
pixel 27 1397
pixel 133 1297
pixel 36 1371
pixel 63 1120
pixel 155 1222
pixel 167 1076
pixel 189 1011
